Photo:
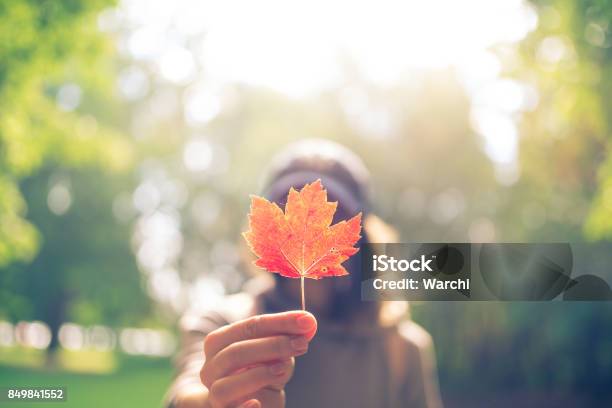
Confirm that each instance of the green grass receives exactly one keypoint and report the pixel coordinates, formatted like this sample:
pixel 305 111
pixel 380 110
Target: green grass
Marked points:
pixel 132 381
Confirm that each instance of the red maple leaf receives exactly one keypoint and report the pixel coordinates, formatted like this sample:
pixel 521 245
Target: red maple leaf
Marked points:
pixel 301 242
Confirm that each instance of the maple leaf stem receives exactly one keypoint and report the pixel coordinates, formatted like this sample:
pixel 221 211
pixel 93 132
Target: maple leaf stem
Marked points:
pixel 303 298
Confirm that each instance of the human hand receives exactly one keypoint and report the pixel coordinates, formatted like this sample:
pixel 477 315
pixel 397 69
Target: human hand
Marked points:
pixel 248 363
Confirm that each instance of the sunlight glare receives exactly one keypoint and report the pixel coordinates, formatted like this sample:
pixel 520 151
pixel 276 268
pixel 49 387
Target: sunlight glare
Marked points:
pixel 304 48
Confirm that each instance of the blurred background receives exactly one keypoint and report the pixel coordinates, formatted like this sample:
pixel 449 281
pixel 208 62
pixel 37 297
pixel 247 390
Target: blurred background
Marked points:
pixel 132 133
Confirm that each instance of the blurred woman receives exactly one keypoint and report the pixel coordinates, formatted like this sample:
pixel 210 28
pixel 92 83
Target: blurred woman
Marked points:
pixel 253 351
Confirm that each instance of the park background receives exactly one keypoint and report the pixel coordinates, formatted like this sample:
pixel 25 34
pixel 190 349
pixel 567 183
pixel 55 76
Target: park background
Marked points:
pixel 132 133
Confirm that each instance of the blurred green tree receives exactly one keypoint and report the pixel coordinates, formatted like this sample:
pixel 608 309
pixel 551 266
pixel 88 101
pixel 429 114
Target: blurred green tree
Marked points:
pixel 62 253
pixel 563 194
pixel 42 43
pixel 566 144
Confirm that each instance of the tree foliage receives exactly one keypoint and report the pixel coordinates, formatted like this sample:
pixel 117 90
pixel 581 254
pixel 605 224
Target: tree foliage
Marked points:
pixel 41 44
pixel 61 139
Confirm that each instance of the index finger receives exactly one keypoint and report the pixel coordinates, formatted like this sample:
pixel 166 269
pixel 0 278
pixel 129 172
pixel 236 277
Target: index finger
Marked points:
pixel 266 325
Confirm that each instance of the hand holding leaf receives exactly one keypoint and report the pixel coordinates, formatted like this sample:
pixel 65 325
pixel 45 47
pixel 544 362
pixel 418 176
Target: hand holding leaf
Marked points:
pixel 301 242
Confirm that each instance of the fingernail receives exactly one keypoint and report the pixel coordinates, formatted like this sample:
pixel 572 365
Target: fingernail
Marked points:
pixel 299 343
pixel 305 322
pixel 251 404
pixel 278 368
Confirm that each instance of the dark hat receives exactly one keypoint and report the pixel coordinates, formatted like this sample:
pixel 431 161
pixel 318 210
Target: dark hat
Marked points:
pixel 341 172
